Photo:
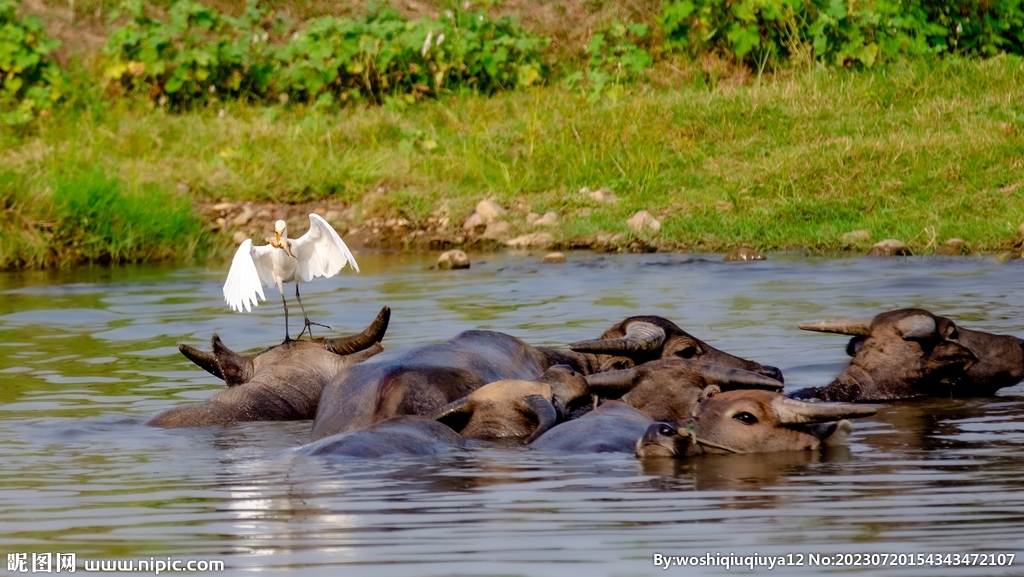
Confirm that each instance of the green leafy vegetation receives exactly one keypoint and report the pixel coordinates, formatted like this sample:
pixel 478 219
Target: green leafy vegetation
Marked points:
pixel 30 81
pixel 199 56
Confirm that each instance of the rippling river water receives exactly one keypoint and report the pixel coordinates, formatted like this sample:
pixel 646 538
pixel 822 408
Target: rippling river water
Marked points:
pixel 87 357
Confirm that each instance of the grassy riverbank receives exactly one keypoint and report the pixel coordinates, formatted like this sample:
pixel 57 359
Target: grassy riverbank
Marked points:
pixel 919 152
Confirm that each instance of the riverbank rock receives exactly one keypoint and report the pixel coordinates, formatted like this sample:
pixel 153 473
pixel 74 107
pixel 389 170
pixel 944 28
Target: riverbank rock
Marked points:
pixel 890 247
pixel 474 220
pixel 855 238
pixel 549 219
pixel 534 239
pixel 953 247
pixel 496 230
pixel 490 211
pixel 643 220
pixel 453 259
pixel 553 258
pixel 743 253
pixel 602 195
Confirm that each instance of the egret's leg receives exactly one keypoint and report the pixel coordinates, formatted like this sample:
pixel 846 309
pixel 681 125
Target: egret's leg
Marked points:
pixel 285 302
pixel 308 322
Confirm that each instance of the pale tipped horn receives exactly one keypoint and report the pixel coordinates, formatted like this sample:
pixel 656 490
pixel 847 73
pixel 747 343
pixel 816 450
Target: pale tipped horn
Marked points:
pixel 640 337
pixel 235 368
pixel 355 343
pixel 855 327
pixel 792 412
pixel 545 413
pixel 917 327
pixel 730 379
pixel 460 406
pixel 612 384
pixel 205 361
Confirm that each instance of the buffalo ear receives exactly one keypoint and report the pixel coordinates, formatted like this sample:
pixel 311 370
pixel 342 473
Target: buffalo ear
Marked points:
pixel 708 392
pixel 235 368
pixel 853 347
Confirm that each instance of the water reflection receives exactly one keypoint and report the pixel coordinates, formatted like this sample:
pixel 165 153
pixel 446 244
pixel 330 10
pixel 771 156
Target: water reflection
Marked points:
pixel 89 356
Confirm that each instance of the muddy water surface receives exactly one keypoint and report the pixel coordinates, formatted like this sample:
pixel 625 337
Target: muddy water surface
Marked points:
pixel 87 357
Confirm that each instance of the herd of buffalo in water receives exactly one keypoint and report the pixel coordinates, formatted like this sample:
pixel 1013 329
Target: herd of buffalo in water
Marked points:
pixel 645 386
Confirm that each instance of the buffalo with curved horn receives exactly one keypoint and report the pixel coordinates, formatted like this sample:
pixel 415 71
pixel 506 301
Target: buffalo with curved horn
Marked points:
pixel 647 338
pixel 751 421
pixel 281 383
pixel 911 352
pixel 516 408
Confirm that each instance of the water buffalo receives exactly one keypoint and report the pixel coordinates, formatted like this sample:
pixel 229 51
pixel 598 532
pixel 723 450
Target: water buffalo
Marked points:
pixel 422 380
pixel 668 389
pixel 911 352
pixel 751 421
pixel 516 408
pixel 646 338
pixel 404 434
pixel 281 383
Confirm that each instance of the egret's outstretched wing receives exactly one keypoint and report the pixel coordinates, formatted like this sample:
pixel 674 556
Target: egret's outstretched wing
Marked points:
pixel 250 270
pixel 321 252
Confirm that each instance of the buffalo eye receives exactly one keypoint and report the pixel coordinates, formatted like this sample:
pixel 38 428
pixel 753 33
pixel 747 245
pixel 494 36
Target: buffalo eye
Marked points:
pixel 687 353
pixel 745 418
pixel 667 431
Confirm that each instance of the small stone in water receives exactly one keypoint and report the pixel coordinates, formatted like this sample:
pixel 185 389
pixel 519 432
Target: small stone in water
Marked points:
pixel 553 258
pixel 743 253
pixel 453 259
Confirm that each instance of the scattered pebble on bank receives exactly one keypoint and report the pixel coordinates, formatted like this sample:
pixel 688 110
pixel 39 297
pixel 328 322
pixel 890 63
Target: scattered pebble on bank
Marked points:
pixel 890 247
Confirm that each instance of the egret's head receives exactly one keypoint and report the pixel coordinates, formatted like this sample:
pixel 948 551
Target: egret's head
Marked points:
pixel 281 229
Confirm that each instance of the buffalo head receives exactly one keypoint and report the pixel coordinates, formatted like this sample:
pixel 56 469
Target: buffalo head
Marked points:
pixel 515 408
pixel 751 421
pixel 668 389
pixel 646 338
pixel 911 352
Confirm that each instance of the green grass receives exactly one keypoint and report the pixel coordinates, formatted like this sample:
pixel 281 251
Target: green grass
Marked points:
pixel 910 151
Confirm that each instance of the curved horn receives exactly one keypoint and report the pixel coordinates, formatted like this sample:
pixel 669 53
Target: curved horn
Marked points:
pixel 730 379
pixel 792 412
pixel 545 413
pixel 917 327
pixel 235 368
pixel 613 383
pixel 460 406
pixel 855 327
pixel 640 337
pixel 205 361
pixel 355 343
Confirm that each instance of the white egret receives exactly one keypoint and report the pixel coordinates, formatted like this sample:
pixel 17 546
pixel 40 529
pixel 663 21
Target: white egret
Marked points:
pixel 319 252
